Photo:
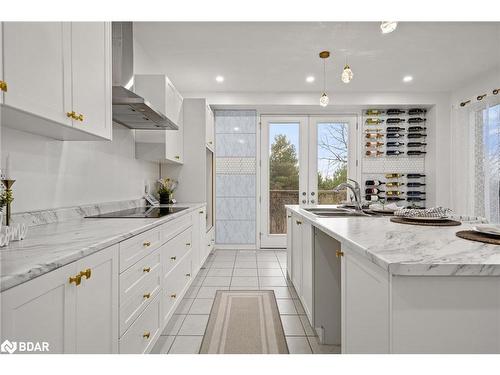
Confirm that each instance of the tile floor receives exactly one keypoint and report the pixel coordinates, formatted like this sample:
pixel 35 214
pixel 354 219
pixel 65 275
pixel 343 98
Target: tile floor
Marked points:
pixel 239 270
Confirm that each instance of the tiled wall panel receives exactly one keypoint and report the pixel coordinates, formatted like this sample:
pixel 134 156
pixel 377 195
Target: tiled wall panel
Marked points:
pixel 235 186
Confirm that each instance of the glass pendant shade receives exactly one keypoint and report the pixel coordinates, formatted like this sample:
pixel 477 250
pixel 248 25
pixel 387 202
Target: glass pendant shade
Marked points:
pixel 347 74
pixel 388 27
pixel 324 100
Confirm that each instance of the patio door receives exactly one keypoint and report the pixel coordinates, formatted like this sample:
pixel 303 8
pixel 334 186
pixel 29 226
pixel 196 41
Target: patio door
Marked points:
pixel 302 159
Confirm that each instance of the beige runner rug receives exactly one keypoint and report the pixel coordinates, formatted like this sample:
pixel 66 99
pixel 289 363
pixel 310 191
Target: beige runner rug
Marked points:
pixel 244 322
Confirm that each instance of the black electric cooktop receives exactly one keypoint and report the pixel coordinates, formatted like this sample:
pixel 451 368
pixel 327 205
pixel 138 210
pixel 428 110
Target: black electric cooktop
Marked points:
pixel 140 213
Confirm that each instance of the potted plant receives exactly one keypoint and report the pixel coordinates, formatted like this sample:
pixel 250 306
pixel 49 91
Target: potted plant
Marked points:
pixel 166 188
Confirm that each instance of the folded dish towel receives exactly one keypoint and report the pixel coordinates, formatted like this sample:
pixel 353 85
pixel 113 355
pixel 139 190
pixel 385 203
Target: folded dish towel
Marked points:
pixel 384 207
pixel 427 212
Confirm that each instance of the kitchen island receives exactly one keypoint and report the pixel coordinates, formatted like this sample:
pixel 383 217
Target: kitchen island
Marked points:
pixel 374 286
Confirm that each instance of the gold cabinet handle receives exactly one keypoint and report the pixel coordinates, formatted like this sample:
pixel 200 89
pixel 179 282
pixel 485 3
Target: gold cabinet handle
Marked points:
pixel 79 117
pixel 173 258
pixel 71 114
pixel 147 295
pixel 173 295
pixel 146 335
pixel 188 243
pixel 146 244
pixel 298 222
pixel 77 280
pixel 188 274
pixel 339 253
pixel 202 212
pixel 210 142
pixel 87 273
pixel 3 86
pixel 147 269
pixel 177 157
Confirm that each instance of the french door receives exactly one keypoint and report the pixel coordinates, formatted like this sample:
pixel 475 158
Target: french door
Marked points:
pixel 302 159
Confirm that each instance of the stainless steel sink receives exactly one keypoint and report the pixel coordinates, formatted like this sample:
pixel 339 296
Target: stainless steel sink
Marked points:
pixel 336 212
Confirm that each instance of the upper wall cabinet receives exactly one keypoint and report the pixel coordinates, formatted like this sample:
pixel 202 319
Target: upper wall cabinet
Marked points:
pixel 58 78
pixel 164 146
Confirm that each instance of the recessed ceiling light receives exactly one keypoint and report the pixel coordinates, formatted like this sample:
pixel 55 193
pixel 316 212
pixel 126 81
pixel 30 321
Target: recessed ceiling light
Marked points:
pixel 310 79
pixel 407 78
pixel 388 27
pixel 219 79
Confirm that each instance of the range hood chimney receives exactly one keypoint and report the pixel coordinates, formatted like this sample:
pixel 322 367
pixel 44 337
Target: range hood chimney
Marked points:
pixel 130 109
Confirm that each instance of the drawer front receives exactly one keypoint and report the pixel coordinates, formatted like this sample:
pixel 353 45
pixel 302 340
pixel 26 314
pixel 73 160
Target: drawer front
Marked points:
pixel 173 228
pixel 136 248
pixel 144 331
pixel 139 285
pixel 175 285
pixel 175 249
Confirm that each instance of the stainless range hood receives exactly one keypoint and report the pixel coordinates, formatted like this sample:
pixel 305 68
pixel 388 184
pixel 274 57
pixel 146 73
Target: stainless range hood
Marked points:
pixel 130 109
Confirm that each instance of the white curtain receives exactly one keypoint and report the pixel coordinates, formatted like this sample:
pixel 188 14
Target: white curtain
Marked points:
pixel 476 159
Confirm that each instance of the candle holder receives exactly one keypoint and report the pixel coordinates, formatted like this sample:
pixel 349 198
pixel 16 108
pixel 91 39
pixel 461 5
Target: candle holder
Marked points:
pixel 8 188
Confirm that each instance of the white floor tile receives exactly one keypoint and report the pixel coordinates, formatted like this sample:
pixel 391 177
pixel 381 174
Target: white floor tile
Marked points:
pixel 317 348
pixel 194 325
pixel 201 306
pixel 268 264
pixel 245 272
pixel 163 345
pixel 246 258
pixel 299 307
pixel 270 272
pixel 192 292
pixel 220 272
pixel 244 281
pixel 245 264
pixel 279 291
pixel 209 291
pixel 271 281
pixel 298 345
pixel 173 325
pixel 184 306
pixel 222 265
pixel 217 281
pixel 286 306
pixel 186 345
pixel 244 288
pixel 291 325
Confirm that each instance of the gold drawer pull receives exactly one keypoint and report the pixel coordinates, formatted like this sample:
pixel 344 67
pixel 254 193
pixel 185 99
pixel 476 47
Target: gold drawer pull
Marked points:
pixel 79 117
pixel 339 253
pixel 87 273
pixel 3 86
pixel 188 244
pixel 188 274
pixel 173 258
pixel 147 295
pixel 146 269
pixel 177 157
pixel 146 244
pixel 298 222
pixel 201 212
pixel 146 335
pixel 76 279
pixel 71 114
pixel 173 295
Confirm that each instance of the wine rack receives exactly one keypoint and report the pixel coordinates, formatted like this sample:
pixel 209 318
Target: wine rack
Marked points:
pixel 394 141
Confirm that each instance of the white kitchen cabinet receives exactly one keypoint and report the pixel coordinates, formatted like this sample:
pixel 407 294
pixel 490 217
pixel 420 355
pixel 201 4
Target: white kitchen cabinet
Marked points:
pixel 307 270
pixel 53 70
pixel 199 247
pixel 289 225
pixel 164 146
pixel 296 275
pixel 71 318
pixel 210 129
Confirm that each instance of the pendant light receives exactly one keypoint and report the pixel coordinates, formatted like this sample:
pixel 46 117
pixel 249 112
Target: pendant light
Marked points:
pixel 347 73
pixel 388 27
pixel 324 99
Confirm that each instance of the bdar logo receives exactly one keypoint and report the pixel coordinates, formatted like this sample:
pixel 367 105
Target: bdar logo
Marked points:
pixel 8 347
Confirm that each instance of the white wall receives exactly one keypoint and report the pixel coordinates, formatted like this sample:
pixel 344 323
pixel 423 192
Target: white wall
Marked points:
pixel 52 174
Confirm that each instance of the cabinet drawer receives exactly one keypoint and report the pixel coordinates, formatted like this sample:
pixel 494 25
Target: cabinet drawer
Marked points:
pixel 138 247
pixel 138 286
pixel 175 249
pixel 175 284
pixel 173 228
pixel 144 332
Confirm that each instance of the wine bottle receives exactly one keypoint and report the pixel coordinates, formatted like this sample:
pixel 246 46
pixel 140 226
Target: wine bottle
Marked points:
pixel 415 199
pixel 394 184
pixel 373 153
pixel 374 183
pixel 416 111
pixel 373 135
pixel 416 135
pixel 394 199
pixel 415 193
pixel 416 120
pixel 372 197
pixel 374 144
pixel 416 144
pixel 413 129
pixel 394 111
pixel 393 192
pixel 395 120
pixel 394 129
pixel 374 121
pixel 394 135
pixel 394 152
pixel 394 175
pixel 414 152
pixel 394 144
pixel 374 112
pixel 373 191
pixel 414 184
pixel 377 130
pixel 415 175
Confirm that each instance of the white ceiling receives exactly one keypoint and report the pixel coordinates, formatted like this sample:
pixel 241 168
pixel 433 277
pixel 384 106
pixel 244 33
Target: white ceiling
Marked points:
pixel 277 56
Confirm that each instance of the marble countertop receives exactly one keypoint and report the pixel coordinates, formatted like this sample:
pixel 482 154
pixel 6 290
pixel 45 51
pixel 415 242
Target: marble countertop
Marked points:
pixel 50 246
pixel 410 250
